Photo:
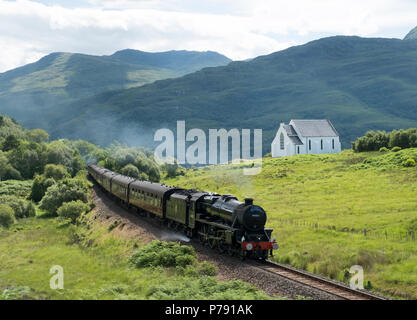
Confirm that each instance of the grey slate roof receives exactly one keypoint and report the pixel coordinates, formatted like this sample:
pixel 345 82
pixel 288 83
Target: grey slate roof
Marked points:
pixel 296 140
pixel 315 128
pixel 290 130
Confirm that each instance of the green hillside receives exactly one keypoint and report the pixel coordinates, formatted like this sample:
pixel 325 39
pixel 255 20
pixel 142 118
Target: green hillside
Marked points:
pixel 357 83
pixel 330 212
pixel 182 61
pixel 35 92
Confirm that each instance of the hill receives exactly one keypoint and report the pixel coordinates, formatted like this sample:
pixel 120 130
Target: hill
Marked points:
pixel 330 212
pixel 412 35
pixel 181 62
pixel 47 86
pixel 357 83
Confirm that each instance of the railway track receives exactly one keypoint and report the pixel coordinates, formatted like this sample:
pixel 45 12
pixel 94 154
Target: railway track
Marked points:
pixel 335 288
pixel 302 278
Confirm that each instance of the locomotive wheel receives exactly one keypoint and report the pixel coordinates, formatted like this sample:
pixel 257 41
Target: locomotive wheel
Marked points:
pixel 211 243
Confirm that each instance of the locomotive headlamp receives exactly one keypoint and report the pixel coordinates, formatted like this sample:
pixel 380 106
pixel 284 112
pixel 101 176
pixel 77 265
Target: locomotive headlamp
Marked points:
pixel 275 246
pixel 249 246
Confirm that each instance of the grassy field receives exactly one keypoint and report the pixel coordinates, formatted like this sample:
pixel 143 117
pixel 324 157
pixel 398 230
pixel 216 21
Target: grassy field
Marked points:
pixel 95 263
pixel 319 206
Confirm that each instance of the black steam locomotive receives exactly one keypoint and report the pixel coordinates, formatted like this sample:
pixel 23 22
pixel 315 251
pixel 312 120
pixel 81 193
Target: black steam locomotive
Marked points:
pixel 220 221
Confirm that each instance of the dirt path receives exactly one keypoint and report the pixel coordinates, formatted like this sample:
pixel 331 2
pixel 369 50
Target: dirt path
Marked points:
pixel 132 225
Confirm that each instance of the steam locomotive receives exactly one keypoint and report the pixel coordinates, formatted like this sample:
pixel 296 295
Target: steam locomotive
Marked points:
pixel 220 221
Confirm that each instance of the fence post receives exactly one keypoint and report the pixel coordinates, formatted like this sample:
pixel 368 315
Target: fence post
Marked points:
pixel 412 236
pixel 386 235
pixel 364 232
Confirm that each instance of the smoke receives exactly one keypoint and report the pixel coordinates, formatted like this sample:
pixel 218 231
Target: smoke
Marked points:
pixel 172 236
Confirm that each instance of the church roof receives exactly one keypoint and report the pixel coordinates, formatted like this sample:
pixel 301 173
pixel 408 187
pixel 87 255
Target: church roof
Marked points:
pixel 290 130
pixel 296 140
pixel 315 128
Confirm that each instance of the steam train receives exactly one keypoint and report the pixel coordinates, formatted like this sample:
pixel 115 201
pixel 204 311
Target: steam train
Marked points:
pixel 220 221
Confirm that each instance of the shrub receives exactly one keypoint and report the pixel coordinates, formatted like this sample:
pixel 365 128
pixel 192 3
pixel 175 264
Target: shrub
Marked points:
pixel 130 170
pixel 207 269
pixel 55 171
pixel 39 186
pixel 164 254
pixel 72 210
pixel 409 163
pixel 383 149
pixel 6 215
pixel 21 208
pixel 396 149
pixel 64 191
pixel 15 188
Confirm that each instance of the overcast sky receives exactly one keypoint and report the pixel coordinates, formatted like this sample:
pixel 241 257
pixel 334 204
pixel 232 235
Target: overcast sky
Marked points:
pixel 239 29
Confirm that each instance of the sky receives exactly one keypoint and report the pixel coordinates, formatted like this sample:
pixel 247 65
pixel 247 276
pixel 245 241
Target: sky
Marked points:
pixel 239 29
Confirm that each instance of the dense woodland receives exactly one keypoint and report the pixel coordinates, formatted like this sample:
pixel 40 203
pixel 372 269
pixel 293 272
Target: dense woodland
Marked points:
pixel 55 170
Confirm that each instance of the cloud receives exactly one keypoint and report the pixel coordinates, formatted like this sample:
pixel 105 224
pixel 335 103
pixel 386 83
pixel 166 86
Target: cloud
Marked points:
pixel 238 29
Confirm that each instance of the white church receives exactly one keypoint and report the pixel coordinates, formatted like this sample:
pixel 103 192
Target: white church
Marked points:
pixel 304 137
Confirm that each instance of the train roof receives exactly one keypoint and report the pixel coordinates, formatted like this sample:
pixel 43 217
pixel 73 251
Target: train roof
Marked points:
pixel 123 179
pixel 152 187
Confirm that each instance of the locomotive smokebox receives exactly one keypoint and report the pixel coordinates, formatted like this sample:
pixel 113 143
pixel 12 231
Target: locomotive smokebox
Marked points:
pixel 248 201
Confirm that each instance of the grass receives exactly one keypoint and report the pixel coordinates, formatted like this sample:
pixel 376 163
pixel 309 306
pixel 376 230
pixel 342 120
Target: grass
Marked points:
pixel 96 266
pixel 319 206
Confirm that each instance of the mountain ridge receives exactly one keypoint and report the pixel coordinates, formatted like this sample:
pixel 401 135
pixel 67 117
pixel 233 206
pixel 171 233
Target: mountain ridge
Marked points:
pixel 60 78
pixel 358 83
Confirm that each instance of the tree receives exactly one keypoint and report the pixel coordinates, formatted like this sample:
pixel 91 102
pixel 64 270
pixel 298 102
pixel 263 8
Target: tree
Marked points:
pixel 130 170
pixel 10 143
pixel 55 171
pixel 39 186
pixel 27 159
pixel 72 210
pixel 64 191
pixel 37 135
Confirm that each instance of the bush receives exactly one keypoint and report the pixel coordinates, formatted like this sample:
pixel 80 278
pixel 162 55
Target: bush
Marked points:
pixel 39 186
pixel 56 172
pixel 72 210
pixel 21 208
pixel 409 163
pixel 373 141
pixel 383 149
pixel 396 149
pixel 6 215
pixel 207 269
pixel 64 191
pixel 130 170
pixel 15 188
pixel 163 254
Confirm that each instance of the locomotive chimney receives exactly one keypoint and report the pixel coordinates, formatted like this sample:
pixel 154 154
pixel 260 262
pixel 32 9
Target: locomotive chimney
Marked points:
pixel 248 201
